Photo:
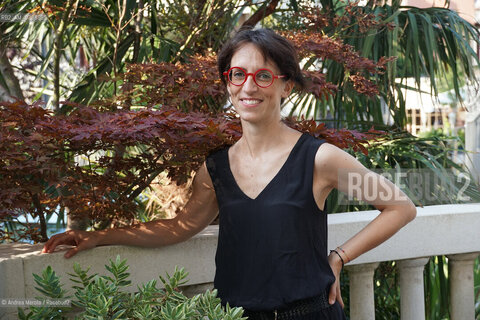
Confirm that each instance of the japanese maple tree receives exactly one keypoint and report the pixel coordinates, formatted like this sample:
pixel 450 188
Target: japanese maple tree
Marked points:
pixel 97 160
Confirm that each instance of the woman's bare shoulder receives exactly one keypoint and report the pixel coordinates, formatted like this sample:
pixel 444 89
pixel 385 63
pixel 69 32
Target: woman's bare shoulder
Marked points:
pixel 329 154
pixel 331 159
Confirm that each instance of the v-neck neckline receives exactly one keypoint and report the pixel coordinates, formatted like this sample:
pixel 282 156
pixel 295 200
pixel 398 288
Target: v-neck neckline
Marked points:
pixel 266 187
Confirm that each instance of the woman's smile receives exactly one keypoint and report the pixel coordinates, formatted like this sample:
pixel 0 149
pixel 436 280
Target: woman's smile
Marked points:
pixel 250 102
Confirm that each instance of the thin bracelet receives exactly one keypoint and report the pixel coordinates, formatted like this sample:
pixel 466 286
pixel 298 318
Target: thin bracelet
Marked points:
pixel 338 254
pixel 344 254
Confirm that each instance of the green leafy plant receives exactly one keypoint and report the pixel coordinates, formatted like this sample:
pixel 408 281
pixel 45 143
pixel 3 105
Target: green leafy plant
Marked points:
pixel 48 284
pixel 104 297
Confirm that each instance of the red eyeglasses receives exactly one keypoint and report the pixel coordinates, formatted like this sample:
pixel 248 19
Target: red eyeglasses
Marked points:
pixel 262 77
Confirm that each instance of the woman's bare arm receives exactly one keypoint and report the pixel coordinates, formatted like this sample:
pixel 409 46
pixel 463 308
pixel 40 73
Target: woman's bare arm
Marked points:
pixel 200 210
pixel 334 169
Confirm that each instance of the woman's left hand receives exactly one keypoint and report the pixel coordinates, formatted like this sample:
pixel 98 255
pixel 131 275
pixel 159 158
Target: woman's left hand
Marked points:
pixel 335 294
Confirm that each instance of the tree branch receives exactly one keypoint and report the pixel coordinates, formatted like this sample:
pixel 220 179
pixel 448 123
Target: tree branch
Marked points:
pixel 41 217
pixel 144 184
pixel 138 33
pixel 6 72
pixel 264 11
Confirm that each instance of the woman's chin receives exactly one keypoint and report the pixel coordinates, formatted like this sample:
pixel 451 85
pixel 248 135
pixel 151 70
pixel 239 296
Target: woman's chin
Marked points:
pixel 250 117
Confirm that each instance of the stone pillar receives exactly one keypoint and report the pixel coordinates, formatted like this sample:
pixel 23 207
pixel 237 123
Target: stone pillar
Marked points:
pixel 362 302
pixel 412 296
pixel 462 300
pixel 472 142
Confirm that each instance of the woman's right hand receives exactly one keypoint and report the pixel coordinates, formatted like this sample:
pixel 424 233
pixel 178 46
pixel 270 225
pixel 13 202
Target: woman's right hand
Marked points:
pixel 335 293
pixel 82 240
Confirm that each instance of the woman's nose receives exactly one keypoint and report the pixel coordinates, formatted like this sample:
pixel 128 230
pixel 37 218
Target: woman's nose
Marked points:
pixel 250 84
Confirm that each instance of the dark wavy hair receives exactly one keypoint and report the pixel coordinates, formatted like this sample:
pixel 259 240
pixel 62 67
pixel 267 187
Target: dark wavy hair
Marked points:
pixel 273 47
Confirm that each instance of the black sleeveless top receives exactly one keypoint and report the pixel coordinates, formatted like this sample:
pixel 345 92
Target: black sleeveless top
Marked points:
pixel 272 250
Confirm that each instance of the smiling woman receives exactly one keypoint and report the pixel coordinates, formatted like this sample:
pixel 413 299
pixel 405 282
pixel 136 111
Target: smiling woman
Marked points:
pixel 258 97
pixel 269 190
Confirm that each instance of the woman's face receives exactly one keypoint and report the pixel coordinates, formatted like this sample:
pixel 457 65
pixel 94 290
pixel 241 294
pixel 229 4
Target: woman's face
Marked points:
pixel 253 103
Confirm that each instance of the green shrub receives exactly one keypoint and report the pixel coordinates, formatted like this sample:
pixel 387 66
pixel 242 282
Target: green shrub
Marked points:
pixel 103 297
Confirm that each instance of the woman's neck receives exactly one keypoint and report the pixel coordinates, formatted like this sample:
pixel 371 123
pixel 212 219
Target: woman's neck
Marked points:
pixel 258 139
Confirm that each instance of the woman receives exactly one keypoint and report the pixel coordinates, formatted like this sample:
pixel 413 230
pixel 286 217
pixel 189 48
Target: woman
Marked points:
pixel 269 189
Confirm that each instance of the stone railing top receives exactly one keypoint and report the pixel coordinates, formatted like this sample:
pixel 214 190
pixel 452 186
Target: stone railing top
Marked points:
pixel 437 230
pixel 440 229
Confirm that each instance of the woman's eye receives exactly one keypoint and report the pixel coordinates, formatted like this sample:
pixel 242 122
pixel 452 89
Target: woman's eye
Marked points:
pixel 264 76
pixel 239 74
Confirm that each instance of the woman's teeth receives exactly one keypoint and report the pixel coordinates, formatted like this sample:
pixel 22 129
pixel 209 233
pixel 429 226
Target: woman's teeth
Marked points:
pixel 251 101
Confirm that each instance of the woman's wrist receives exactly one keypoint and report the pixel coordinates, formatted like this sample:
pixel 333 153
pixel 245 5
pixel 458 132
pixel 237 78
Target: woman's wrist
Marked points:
pixel 346 258
pixel 339 257
pixel 335 261
pixel 100 237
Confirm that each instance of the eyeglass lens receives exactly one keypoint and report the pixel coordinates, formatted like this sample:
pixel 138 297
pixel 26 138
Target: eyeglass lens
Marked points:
pixel 263 78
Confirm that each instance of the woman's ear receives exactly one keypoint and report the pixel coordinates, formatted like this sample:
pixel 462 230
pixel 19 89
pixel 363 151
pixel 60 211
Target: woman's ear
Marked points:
pixel 287 89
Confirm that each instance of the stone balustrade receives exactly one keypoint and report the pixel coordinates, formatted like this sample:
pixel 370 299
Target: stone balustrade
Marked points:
pixel 452 230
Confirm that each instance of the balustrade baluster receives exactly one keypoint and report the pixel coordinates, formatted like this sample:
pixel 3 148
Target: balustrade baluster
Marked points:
pixel 462 300
pixel 362 302
pixel 412 296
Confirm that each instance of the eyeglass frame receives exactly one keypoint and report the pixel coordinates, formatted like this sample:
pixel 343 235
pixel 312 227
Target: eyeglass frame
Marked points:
pixel 226 73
